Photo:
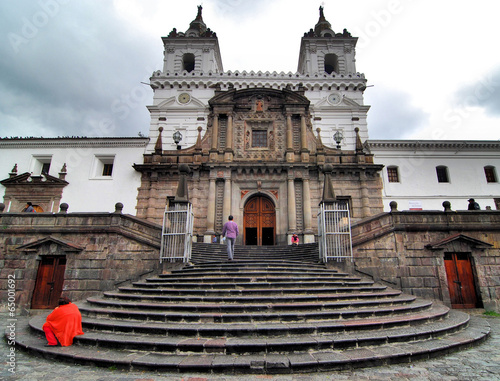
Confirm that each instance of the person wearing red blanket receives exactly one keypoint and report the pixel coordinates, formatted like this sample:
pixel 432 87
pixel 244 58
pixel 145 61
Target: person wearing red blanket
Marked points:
pixel 63 324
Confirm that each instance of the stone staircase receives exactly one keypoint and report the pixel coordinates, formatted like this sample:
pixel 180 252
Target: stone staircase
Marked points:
pixel 271 310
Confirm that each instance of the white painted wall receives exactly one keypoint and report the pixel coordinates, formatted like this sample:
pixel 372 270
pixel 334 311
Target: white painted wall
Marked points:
pixel 418 178
pixel 87 191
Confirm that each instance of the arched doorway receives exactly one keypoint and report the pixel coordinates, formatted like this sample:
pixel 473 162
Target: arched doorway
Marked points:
pixel 259 221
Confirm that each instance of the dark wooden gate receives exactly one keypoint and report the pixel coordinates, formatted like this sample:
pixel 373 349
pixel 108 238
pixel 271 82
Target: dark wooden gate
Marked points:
pixel 460 280
pixel 259 221
pixel 49 282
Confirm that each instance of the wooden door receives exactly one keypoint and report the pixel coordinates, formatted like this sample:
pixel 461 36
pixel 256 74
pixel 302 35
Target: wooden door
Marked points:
pixel 259 222
pixel 49 282
pixel 461 282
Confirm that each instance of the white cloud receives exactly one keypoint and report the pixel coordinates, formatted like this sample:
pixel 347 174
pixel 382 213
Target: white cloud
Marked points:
pixel 78 65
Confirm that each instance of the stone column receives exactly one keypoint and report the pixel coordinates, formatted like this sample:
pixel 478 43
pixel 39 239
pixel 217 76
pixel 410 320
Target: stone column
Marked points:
pixel 226 205
pixel 303 132
pixel 228 154
pixel 214 155
pixel 308 233
pixel 215 132
pixel 303 140
pixel 289 139
pixel 210 212
pixel 292 208
pixel 365 198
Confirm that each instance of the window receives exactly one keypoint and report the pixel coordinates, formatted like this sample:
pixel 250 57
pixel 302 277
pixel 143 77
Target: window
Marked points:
pixel 103 167
pixel 442 174
pixel 45 167
pixel 107 169
pixel 40 164
pixel 331 63
pixel 188 62
pixel 392 174
pixel 491 176
pixel 259 138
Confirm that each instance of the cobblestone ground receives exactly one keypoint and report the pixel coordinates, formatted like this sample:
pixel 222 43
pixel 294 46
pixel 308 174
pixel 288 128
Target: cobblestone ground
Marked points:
pixel 478 363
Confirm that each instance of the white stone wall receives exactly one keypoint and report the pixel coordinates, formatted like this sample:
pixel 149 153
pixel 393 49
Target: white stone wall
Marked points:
pixel 88 190
pixel 418 184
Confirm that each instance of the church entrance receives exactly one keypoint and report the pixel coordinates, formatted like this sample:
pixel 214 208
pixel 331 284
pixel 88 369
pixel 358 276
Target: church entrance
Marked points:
pixel 49 282
pixel 259 221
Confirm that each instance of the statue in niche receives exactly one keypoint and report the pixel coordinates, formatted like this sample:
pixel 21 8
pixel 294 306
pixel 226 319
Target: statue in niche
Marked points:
pixel 260 106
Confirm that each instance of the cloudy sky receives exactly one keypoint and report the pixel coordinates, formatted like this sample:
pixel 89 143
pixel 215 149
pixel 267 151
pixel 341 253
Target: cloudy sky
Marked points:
pixel 75 68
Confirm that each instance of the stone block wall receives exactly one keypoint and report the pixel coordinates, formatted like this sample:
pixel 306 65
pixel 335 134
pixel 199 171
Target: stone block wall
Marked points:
pixel 102 250
pixel 406 250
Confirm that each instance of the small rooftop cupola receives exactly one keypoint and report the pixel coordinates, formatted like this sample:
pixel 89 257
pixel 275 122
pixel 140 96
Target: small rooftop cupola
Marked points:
pixel 195 50
pixel 324 51
pixel 323 28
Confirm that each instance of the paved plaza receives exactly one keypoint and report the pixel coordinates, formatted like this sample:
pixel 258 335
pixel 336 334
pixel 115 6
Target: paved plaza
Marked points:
pixel 479 363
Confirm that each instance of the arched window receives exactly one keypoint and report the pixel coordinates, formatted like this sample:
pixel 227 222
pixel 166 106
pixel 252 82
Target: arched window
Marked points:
pixel 331 63
pixel 442 174
pixel 490 173
pixel 188 62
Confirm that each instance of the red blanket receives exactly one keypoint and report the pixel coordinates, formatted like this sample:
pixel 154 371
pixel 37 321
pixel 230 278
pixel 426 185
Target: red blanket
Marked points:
pixel 66 323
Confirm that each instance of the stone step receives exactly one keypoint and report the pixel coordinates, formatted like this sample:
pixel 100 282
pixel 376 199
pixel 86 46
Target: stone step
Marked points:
pixel 257 292
pixel 131 294
pixel 249 284
pixel 225 307
pixel 257 270
pixel 268 315
pixel 338 352
pixel 215 329
pixel 247 278
pixel 268 311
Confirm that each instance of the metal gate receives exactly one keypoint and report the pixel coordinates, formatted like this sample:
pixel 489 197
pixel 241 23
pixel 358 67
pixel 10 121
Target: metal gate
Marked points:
pixel 334 232
pixel 177 233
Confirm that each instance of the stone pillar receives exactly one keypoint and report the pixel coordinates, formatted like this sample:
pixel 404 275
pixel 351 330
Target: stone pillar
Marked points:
pixel 308 232
pixel 289 139
pixel 215 137
pixel 228 155
pixel 210 212
pixel 292 209
pixel 304 151
pixel 226 205
pixel 365 198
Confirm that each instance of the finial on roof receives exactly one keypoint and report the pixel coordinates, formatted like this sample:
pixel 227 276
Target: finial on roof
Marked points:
pixel 323 28
pixel 158 145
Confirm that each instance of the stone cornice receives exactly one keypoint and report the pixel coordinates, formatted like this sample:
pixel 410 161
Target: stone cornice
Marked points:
pixel 418 145
pixel 243 79
pixel 72 142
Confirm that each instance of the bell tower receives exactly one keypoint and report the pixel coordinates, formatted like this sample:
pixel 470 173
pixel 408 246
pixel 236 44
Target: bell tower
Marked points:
pixel 195 50
pixel 324 51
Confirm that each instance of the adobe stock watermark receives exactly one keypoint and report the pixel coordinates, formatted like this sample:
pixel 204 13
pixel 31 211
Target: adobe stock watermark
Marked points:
pixel 120 109
pixel 11 323
pixel 482 91
pixel 31 26
pixel 380 19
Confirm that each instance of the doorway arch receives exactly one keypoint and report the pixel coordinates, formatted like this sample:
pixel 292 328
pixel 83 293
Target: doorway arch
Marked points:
pixel 259 221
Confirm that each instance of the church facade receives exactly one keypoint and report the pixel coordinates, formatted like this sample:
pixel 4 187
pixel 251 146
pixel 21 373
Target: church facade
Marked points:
pixel 260 146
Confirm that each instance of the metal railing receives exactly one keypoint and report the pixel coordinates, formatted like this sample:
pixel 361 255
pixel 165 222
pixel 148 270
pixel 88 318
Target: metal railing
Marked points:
pixel 177 233
pixel 334 232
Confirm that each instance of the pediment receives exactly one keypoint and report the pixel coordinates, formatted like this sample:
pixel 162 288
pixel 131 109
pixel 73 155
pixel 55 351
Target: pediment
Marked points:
pixel 458 238
pixel 244 96
pixel 171 103
pixel 345 103
pixel 60 244
pixel 28 179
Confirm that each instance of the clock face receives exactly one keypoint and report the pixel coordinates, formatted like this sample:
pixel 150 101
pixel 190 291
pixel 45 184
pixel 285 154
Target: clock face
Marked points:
pixel 184 98
pixel 335 98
